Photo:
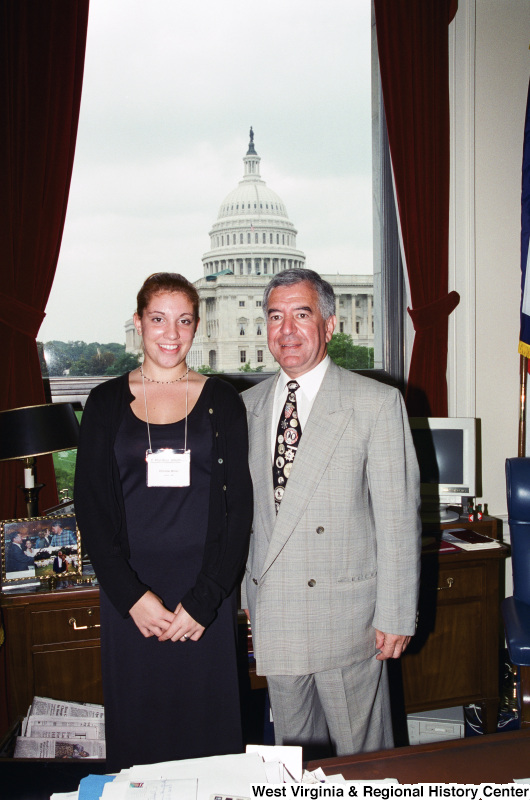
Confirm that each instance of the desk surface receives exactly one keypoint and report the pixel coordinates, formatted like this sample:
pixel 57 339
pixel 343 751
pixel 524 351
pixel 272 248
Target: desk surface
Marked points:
pixel 496 758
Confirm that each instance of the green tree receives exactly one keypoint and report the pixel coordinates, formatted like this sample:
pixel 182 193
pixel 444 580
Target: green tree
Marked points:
pixel 57 356
pixel 124 363
pixel 247 368
pixel 346 354
pixel 206 370
pixel 81 367
pixel 100 362
pixel 60 357
pixel 113 347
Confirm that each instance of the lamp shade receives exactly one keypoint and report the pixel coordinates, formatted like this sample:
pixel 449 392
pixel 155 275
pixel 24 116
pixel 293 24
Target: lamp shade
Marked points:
pixel 37 430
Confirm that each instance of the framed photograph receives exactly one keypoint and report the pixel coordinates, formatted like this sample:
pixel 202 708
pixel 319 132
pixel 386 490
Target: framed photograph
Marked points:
pixel 40 547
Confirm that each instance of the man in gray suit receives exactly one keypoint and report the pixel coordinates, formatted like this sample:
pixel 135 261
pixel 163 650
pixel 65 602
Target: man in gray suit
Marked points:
pixel 332 578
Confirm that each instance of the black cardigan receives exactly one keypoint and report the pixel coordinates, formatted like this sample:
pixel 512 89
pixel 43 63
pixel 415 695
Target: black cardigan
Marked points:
pixel 100 509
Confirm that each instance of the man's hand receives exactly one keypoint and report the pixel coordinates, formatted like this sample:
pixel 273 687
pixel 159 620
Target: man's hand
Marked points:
pixel 150 615
pixel 391 645
pixel 182 628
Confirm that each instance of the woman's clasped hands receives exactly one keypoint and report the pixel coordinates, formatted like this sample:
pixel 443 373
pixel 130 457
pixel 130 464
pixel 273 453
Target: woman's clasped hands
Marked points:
pixel 152 618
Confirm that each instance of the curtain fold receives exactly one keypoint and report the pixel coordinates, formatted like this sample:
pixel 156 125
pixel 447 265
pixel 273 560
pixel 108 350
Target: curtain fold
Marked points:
pixel 412 38
pixel 42 57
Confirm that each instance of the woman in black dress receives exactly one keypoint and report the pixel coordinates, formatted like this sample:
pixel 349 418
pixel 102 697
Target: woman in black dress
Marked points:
pixel 163 501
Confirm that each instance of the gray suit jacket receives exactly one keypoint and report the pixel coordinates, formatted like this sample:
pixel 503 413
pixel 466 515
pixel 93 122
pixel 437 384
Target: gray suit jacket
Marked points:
pixel 342 556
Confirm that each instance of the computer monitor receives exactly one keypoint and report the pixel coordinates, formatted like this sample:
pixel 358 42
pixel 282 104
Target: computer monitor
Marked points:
pixel 446 451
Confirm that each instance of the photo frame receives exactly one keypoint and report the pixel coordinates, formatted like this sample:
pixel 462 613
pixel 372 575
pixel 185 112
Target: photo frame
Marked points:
pixel 44 547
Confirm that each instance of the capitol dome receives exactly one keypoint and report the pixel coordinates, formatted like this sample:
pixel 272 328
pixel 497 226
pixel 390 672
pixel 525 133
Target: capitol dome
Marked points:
pixel 253 234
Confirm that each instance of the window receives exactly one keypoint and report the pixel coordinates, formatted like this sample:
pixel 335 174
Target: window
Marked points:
pixel 241 304
pixel 259 356
pixel 98 148
pixel 258 329
pixel 243 356
pixel 242 329
pixel 258 303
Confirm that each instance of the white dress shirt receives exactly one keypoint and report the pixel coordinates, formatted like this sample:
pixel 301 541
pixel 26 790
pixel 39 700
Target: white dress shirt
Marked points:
pixel 309 383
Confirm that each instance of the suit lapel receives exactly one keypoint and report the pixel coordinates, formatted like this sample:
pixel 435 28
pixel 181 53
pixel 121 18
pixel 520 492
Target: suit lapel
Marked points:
pixel 329 416
pixel 260 457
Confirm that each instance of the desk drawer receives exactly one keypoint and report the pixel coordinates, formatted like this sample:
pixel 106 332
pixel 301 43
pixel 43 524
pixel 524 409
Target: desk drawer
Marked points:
pixel 65 625
pixel 455 583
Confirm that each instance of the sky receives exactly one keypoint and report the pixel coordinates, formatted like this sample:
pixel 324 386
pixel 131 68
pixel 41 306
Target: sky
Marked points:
pixel 170 91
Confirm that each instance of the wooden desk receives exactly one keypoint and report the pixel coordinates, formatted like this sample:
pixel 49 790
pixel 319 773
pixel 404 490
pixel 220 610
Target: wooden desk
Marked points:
pixel 453 659
pixel 498 758
pixel 52 647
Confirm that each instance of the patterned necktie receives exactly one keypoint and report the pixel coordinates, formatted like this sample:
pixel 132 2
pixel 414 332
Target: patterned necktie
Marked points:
pixel 287 440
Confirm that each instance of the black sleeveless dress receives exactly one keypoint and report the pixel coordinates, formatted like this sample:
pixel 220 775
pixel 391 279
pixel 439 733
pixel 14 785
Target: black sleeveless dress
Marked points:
pixel 168 700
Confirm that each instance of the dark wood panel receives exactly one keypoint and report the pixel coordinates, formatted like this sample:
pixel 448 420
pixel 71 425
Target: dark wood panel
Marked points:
pixel 69 674
pixel 69 624
pixel 478 759
pixel 449 665
pixel 457 583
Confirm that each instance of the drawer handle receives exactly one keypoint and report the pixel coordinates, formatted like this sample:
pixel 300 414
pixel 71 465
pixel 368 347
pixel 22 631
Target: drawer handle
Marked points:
pixel 73 622
pixel 449 582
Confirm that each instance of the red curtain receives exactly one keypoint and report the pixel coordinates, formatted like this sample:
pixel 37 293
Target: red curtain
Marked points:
pixel 412 37
pixel 42 56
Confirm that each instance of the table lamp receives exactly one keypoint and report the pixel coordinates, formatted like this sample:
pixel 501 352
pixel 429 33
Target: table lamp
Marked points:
pixel 36 431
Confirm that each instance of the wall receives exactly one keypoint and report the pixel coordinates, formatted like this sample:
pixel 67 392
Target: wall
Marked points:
pixel 490 71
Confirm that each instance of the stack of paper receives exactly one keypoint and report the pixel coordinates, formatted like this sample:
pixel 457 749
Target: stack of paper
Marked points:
pixel 57 729
pixel 468 539
pixel 214 778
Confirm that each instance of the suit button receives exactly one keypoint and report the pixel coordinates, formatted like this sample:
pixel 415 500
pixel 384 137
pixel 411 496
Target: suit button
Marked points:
pixel 254 581
pixel 312 582
pixel 320 529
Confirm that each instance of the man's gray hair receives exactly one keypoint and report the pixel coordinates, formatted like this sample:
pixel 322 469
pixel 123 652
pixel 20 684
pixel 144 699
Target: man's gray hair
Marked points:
pixel 324 290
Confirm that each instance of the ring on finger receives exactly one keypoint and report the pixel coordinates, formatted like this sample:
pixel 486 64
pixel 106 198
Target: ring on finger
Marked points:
pixel 185 637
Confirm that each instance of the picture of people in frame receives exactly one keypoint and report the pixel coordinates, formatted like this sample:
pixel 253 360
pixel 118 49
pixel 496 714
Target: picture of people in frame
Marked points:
pixel 42 547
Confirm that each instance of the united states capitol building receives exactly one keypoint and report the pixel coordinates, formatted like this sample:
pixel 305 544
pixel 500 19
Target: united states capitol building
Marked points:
pixel 251 240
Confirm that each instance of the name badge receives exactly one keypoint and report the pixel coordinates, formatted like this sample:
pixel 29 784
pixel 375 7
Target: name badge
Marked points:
pixel 168 467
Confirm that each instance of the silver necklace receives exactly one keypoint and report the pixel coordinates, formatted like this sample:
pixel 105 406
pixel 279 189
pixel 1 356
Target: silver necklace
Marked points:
pixel 152 380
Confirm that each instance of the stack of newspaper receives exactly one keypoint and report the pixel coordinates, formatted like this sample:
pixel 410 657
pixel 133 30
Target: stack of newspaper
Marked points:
pixel 58 729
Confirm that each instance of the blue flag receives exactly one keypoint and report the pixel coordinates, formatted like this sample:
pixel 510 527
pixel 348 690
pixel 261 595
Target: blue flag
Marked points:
pixel 524 336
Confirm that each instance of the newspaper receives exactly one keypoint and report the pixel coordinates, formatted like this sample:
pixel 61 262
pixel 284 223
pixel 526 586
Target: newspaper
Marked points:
pixel 58 748
pixel 46 707
pixel 46 728
pixel 62 729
